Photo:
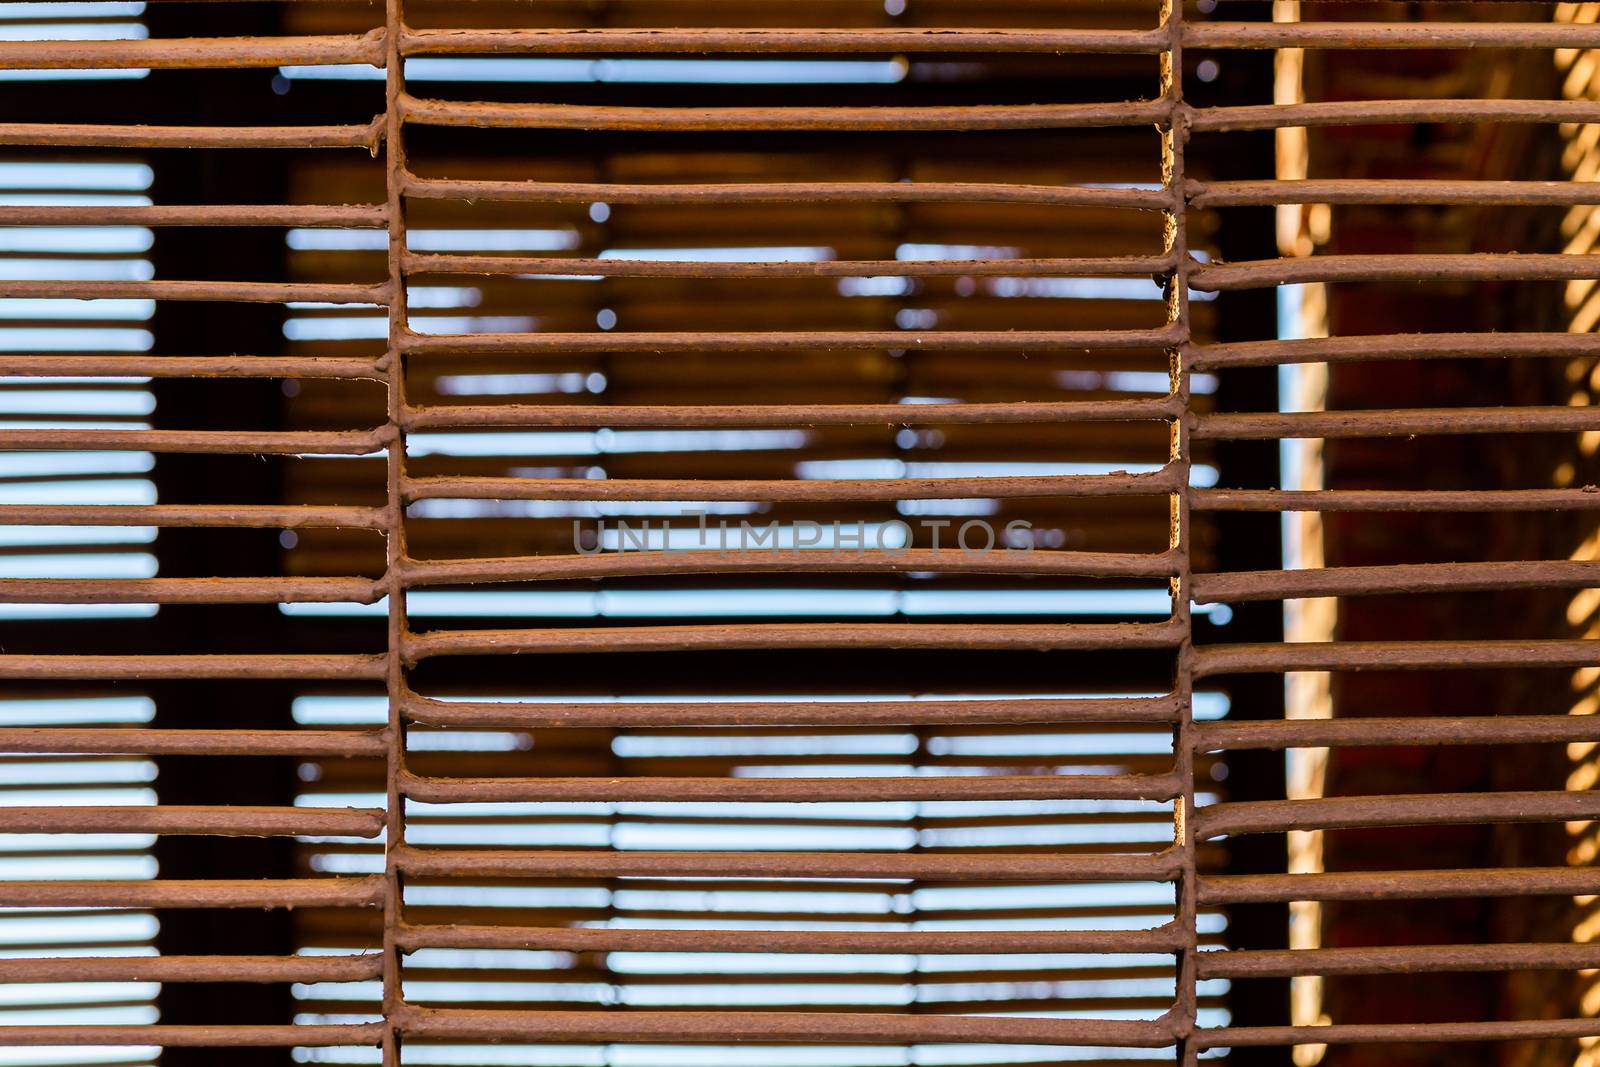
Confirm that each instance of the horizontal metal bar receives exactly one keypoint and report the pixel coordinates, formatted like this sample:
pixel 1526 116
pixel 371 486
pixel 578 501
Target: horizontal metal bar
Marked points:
pixel 287 215
pixel 190 53
pixel 754 415
pixel 1431 500
pixel 1390 191
pixel 1396 346
pixel 934 118
pixel 190 366
pixel 687 638
pixel 320 1035
pixel 211 893
pixel 1395 1033
pixel 119 668
pixel 223 442
pixel 241 292
pixel 786 193
pixel 1399 578
pixel 69 135
pixel 1399 885
pixel 756 41
pixel 794 790
pixel 346 968
pixel 1408 422
pixel 231 821
pixel 731 341
pixel 756 559
pixel 1083 267
pixel 1435 809
pixel 1385 112
pixel 136 741
pixel 1408 267
pixel 213 515
pixel 1011 710
pixel 772 1027
pixel 1413 730
pixel 1428 33
pixel 189 590
pixel 1395 959
pixel 930 942
pixel 987 866
pixel 1391 655
pixel 1156 483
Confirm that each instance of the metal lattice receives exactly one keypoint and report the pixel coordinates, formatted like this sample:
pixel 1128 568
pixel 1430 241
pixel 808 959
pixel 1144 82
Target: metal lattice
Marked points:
pixel 1171 488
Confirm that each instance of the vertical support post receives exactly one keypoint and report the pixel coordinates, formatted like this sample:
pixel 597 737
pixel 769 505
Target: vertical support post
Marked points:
pixel 1182 359
pixel 394 521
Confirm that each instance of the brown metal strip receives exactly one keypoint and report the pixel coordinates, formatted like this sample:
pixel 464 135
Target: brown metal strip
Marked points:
pixel 757 415
pixel 951 867
pixel 189 366
pixel 775 41
pixel 1412 422
pixel 1402 33
pixel 1157 483
pixel 349 968
pixel 234 442
pixel 1389 191
pixel 217 893
pixel 784 193
pixel 1396 578
pixel 396 623
pixel 1438 730
pixel 307 215
pixel 773 1027
pixel 1398 959
pixel 731 341
pixel 1586 498
pixel 588 939
pixel 1376 112
pixel 689 638
pixel 797 790
pixel 1432 267
pixel 134 741
pixel 116 668
pixel 243 292
pixel 1394 655
pixel 316 1035
pixel 1400 885
pixel 873 560
pixel 189 590
pixel 558 266
pixel 427 112
pixel 93 136
pixel 1432 809
pixel 217 515
pixel 1398 346
pixel 192 52
pixel 217 821
pixel 624 714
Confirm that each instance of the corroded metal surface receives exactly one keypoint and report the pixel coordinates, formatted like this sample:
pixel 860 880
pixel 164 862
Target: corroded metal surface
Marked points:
pixel 1179 199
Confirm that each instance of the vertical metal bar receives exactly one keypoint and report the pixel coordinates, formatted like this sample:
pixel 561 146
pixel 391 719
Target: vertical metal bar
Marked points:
pixel 1182 357
pixel 394 523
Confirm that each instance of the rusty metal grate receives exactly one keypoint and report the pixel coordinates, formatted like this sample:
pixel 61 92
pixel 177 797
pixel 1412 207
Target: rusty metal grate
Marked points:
pixel 409 649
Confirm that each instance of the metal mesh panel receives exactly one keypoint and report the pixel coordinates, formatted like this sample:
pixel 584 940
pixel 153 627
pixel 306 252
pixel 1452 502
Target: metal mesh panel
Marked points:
pixel 451 443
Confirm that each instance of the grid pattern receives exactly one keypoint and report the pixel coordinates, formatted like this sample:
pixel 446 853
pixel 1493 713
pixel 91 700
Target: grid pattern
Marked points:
pixel 1172 486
